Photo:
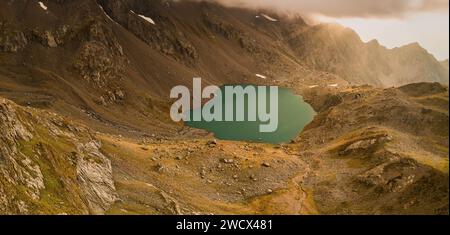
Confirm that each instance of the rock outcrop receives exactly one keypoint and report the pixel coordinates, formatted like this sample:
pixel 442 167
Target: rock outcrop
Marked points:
pixel 11 40
pixel 101 62
pixel 95 176
pixel 45 160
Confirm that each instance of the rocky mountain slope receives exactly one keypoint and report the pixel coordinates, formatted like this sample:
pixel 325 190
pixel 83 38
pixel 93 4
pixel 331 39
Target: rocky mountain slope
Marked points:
pixel 86 129
pixel 50 165
pixel 382 150
pixel 105 58
pixel 368 151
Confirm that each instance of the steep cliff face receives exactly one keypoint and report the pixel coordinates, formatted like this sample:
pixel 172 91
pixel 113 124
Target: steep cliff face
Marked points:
pixel 48 165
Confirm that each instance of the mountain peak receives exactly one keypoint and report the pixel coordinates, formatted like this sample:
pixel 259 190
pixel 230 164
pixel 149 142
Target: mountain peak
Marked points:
pixel 374 42
pixel 413 45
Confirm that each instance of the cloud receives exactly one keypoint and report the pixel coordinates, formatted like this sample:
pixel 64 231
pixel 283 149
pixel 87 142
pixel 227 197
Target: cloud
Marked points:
pixel 345 8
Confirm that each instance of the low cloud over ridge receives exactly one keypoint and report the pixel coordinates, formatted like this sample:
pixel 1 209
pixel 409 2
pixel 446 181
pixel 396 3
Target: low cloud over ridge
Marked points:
pixel 345 8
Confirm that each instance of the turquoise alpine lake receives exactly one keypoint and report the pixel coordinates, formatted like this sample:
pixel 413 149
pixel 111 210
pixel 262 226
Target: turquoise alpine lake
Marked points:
pixel 293 115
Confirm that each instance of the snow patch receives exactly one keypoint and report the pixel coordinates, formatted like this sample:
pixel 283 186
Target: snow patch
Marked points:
pixel 43 6
pixel 313 86
pixel 269 18
pixel 146 18
pixel 333 85
pixel 106 14
pixel 260 76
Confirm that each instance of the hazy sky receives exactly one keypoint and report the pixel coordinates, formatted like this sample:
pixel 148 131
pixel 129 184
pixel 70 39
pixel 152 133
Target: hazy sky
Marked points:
pixel 427 28
pixel 393 22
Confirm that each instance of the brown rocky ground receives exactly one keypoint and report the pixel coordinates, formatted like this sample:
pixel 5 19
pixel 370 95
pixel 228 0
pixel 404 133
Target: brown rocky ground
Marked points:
pixel 354 158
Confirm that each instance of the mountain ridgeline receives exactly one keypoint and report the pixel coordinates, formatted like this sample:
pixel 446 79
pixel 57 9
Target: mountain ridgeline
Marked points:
pixel 110 56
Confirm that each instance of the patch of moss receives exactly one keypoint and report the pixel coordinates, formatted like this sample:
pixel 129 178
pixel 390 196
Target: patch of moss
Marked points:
pixel 60 194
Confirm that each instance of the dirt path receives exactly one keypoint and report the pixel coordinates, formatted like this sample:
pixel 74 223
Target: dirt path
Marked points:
pixel 293 200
